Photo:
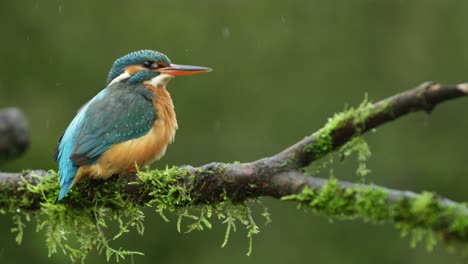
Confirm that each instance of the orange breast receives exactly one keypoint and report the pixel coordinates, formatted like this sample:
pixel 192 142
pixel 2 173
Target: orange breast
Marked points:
pixel 143 150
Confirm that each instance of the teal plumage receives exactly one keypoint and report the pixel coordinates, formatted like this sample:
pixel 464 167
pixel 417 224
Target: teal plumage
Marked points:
pixel 125 113
pixel 117 114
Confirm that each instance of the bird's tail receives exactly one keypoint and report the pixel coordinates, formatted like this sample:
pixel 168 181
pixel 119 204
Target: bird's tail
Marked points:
pixel 67 176
pixel 64 188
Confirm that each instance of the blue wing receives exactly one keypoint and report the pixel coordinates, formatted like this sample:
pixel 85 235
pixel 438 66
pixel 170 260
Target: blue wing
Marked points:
pixel 117 114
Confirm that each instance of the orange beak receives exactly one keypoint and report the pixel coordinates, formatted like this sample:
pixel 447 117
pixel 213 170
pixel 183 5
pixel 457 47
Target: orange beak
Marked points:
pixel 181 70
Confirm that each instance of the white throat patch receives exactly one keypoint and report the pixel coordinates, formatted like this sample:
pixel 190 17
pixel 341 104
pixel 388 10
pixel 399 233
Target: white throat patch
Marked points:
pixel 160 80
pixel 119 78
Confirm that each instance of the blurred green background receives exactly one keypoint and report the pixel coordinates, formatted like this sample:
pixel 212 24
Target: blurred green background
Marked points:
pixel 281 68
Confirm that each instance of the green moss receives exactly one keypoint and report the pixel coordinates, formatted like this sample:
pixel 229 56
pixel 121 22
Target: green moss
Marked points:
pixel 358 145
pixel 80 223
pixel 459 224
pixel 323 139
pixel 424 217
pixel 76 226
pixel 335 201
pixel 355 147
pixel 371 204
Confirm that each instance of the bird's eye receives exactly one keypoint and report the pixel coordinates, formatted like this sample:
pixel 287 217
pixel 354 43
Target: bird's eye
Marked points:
pixel 150 65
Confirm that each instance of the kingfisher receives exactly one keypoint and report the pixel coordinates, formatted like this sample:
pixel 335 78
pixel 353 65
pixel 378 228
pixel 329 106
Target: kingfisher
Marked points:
pixel 127 124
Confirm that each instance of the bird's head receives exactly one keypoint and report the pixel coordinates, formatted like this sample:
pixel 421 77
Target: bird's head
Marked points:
pixel 148 66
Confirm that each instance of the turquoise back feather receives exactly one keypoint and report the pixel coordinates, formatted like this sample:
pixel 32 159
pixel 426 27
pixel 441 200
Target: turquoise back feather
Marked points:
pixel 67 170
pixel 118 113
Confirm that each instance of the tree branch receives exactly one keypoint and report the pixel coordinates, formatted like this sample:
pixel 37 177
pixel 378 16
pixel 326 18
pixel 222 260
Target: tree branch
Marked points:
pixel 14 134
pixel 422 98
pixel 280 176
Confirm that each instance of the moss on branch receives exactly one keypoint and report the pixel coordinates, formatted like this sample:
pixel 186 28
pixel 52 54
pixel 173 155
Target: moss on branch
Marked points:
pixel 79 223
pixel 422 215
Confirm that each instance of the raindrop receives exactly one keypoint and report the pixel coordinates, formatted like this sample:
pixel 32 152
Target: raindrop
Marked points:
pixel 18 210
pixel 60 8
pixel 47 123
pixel 283 19
pixel 226 32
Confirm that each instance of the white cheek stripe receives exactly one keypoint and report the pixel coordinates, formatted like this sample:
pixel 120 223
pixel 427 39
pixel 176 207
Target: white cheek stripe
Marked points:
pixel 119 78
pixel 160 80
